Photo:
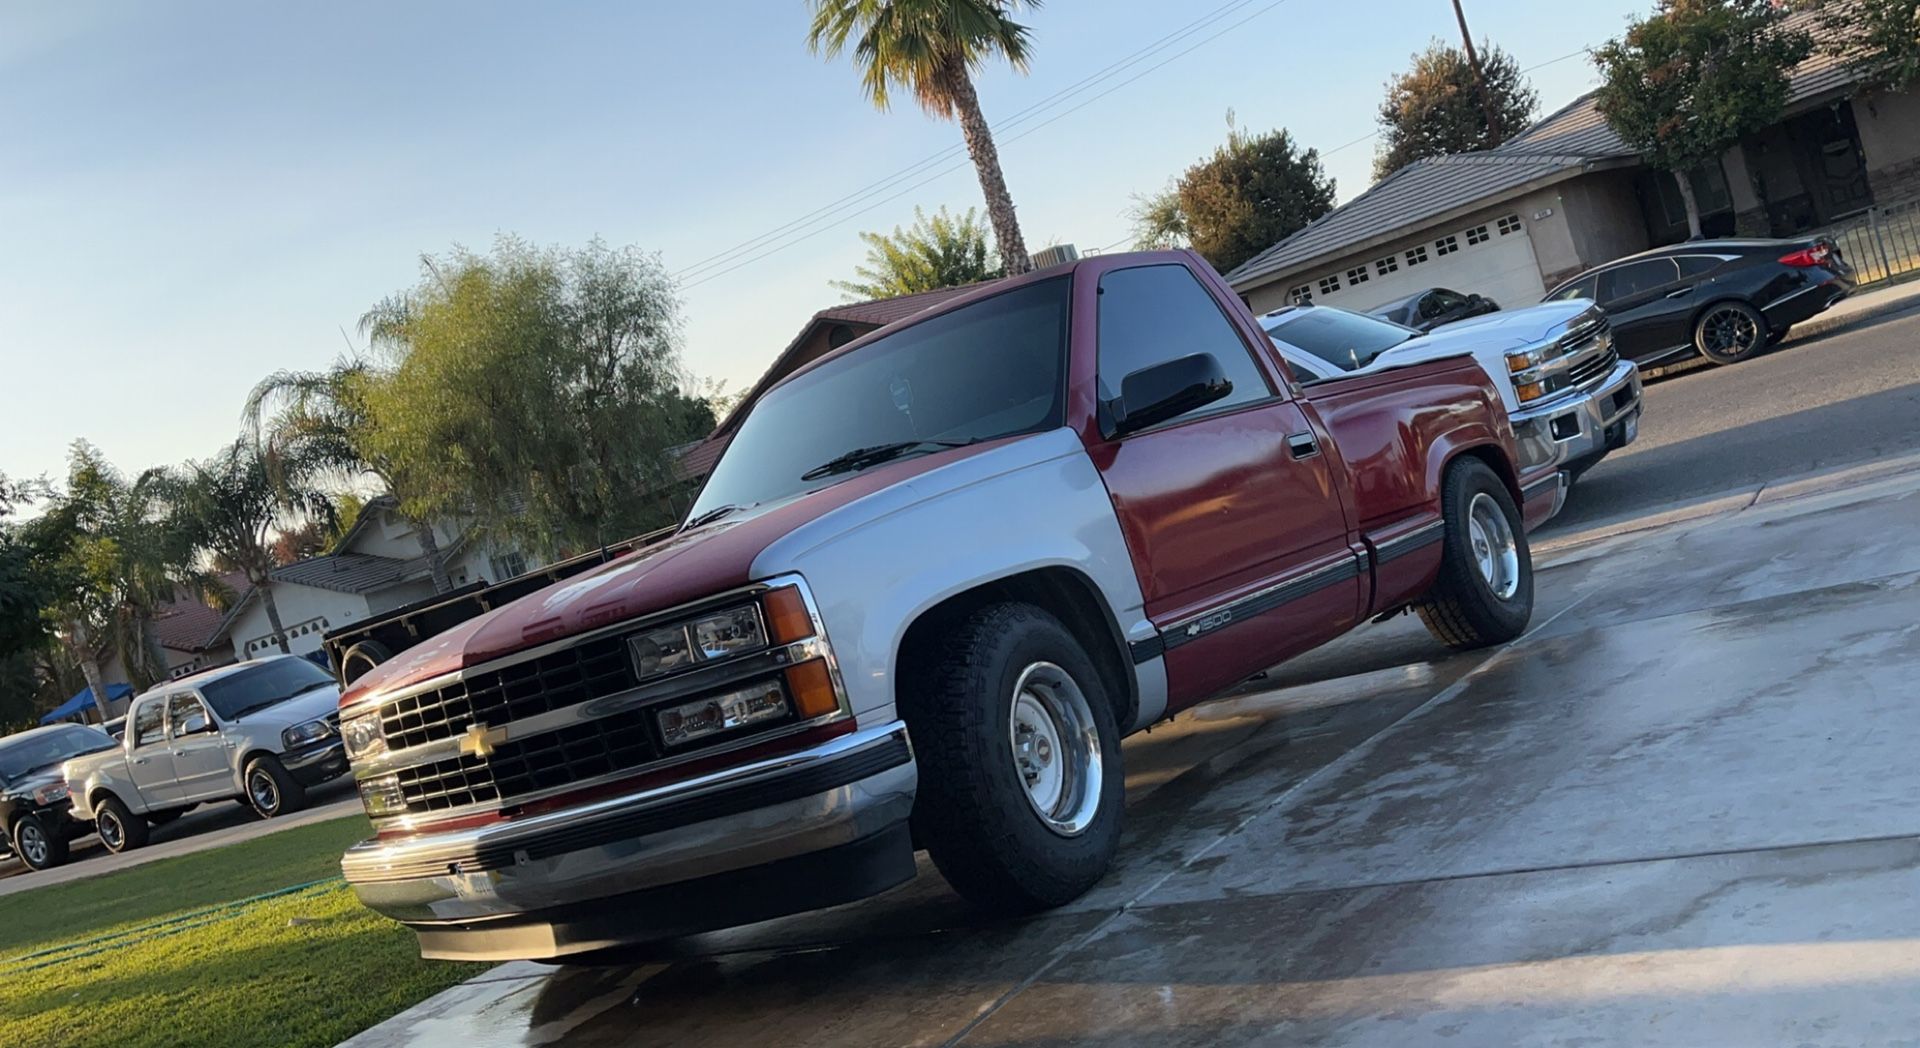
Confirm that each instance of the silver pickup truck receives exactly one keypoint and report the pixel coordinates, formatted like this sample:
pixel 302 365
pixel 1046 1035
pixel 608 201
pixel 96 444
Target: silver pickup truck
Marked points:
pixel 258 732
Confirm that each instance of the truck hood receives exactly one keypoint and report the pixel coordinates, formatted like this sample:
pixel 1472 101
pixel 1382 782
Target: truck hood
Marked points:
pixel 301 708
pixel 685 567
pixel 1502 331
pixel 26 784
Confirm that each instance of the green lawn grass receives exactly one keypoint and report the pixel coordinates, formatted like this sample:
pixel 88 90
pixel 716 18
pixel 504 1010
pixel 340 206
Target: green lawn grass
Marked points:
pixel 185 951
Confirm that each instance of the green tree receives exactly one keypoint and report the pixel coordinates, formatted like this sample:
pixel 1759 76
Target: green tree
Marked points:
pixel 229 507
pixel 1158 222
pixel 942 251
pixel 1252 193
pixel 933 48
pixel 1879 40
pixel 1436 108
pixel 325 419
pixel 537 392
pixel 24 591
pixel 1685 84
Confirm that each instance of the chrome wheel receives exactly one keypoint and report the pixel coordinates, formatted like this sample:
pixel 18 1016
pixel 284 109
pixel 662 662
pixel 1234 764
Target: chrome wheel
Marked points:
pixel 112 834
pixel 264 791
pixel 1055 748
pixel 1495 552
pixel 1728 332
pixel 33 844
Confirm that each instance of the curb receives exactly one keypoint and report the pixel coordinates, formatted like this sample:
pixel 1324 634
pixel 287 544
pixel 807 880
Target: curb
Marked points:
pixel 1815 327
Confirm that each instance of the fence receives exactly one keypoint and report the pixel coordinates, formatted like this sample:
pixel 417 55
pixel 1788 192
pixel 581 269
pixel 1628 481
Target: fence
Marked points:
pixel 1881 244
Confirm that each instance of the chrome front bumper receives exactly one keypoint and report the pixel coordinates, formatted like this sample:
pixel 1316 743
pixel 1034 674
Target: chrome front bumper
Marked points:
pixel 457 886
pixel 1587 425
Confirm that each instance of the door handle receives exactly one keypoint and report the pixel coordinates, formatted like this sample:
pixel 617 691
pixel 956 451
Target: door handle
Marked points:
pixel 1679 292
pixel 1302 445
pixel 139 760
pixel 179 753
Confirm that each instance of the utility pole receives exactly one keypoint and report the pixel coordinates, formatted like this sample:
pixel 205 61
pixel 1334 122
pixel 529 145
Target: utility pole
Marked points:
pixel 1479 76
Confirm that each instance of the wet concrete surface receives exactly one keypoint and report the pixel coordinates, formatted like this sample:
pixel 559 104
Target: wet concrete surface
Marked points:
pixel 1680 813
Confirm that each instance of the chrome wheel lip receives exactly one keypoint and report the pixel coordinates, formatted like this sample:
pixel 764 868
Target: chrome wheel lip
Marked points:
pixel 1729 332
pixel 1054 747
pixel 1495 551
pixel 33 843
pixel 264 792
pixel 107 825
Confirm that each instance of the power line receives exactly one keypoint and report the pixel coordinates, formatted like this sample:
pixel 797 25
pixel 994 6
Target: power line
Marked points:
pixel 851 199
pixel 737 263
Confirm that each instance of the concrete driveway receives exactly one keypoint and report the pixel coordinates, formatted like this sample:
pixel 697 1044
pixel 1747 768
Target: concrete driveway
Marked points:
pixel 1679 813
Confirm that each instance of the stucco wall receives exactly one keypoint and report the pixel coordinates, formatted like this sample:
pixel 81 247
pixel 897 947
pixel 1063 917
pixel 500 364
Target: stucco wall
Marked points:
pixel 1604 215
pixel 300 606
pixel 1889 126
pixel 392 536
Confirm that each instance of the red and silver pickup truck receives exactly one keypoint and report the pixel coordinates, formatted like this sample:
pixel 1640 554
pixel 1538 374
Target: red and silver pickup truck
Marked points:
pixel 935 579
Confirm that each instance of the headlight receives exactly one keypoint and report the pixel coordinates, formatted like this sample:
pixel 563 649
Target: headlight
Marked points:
pixel 305 734
pixel 713 636
pixel 382 797
pixel 724 712
pixel 51 792
pixel 363 736
pixel 1521 360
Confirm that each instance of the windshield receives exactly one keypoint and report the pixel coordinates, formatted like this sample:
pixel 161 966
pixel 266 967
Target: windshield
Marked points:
pixel 23 755
pixel 258 687
pixel 991 369
pixel 1345 340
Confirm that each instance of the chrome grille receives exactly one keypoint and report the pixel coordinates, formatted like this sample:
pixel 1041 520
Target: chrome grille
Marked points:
pixel 556 758
pixel 1593 368
pixel 563 678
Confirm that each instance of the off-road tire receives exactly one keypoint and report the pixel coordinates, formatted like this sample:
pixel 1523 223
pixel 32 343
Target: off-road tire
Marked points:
pixel 291 795
pixel 133 829
pixel 972 811
pixel 1461 610
pixel 53 846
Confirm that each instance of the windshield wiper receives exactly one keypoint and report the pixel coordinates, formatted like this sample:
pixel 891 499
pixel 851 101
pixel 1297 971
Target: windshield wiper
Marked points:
pixel 861 458
pixel 711 515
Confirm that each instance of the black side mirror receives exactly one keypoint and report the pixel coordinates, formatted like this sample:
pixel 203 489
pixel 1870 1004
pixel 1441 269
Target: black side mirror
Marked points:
pixel 1169 389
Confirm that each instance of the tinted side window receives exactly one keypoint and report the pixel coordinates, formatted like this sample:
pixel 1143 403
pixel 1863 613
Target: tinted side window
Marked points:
pixel 1153 314
pixel 1692 266
pixel 182 708
pixel 148 727
pixel 1577 289
pixel 1616 284
pixel 1446 300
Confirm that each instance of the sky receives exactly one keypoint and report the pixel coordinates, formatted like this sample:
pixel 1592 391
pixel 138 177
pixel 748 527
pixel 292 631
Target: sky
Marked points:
pixel 196 194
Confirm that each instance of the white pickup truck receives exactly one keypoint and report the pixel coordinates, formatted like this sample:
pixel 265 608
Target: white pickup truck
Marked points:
pixel 258 732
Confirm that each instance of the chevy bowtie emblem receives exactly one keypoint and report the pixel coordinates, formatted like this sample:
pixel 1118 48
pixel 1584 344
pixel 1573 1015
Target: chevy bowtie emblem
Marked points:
pixel 476 742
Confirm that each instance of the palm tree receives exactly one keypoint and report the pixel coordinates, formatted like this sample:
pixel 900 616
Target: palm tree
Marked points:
pixel 229 505
pixel 932 48
pixel 324 419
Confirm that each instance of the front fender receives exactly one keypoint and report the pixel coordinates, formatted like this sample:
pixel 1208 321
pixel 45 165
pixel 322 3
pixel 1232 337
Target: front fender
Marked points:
pixel 877 564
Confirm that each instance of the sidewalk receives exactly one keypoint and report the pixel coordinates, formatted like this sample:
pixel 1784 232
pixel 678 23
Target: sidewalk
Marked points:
pixel 1864 305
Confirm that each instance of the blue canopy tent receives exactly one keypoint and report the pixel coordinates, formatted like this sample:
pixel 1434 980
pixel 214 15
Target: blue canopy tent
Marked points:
pixel 83 702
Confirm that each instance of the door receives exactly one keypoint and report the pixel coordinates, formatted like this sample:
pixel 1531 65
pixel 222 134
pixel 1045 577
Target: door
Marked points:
pixel 150 764
pixel 199 750
pixel 1230 512
pixel 1649 306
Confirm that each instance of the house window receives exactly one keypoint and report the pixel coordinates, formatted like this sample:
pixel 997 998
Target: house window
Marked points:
pixel 1387 265
pixel 1357 275
pixel 1328 285
pixel 509 565
pixel 1478 235
pixel 1301 296
pixel 1417 255
pixel 1510 224
pixel 1446 245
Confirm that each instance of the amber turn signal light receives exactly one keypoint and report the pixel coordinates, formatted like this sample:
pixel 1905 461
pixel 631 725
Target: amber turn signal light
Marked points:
pixel 811 686
pixel 787 617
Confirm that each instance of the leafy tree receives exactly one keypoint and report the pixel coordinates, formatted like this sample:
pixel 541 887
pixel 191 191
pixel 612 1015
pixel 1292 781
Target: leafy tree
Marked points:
pixel 1158 221
pixel 1253 192
pixel 23 585
pixel 1879 40
pixel 537 392
pixel 942 251
pixel 325 419
pixel 1436 108
pixel 933 48
pixel 230 505
pixel 1686 83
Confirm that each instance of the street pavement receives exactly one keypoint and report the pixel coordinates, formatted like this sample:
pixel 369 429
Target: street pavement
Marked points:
pixel 1678 812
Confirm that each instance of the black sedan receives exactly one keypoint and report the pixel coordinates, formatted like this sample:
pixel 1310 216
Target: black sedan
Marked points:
pixel 33 794
pixel 1723 299
pixel 1426 310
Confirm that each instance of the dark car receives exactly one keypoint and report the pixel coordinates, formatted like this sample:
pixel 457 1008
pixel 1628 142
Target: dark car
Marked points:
pixel 34 805
pixel 1723 299
pixel 1426 310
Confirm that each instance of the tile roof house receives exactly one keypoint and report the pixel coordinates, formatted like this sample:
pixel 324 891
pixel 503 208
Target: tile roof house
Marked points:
pixel 1567 194
pixel 823 332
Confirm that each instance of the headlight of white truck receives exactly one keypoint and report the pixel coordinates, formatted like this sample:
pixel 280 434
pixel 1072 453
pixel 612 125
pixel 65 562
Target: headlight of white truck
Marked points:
pixel 363 736
pixel 306 734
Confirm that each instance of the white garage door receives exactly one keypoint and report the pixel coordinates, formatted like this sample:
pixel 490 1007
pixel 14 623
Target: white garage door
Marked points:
pixel 1494 259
